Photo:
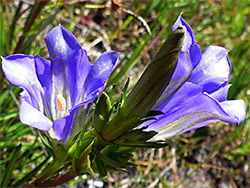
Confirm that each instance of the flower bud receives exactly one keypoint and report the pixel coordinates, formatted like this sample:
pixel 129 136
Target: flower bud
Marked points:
pixel 148 89
pixel 155 78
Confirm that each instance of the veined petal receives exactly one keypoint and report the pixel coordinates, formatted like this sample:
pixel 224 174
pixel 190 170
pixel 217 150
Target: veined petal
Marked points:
pixel 44 74
pixel 189 108
pixel 189 39
pixel 195 54
pixel 99 74
pixel 221 93
pixel 63 127
pixel 236 108
pixel 213 69
pixel 68 126
pixel 70 64
pixel 20 71
pixel 34 118
pixel 182 72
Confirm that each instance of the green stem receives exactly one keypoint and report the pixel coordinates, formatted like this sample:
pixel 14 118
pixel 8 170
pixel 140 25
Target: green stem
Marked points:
pixel 55 182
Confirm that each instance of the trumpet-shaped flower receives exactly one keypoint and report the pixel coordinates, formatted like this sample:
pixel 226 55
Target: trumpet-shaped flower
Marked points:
pixel 197 93
pixel 56 92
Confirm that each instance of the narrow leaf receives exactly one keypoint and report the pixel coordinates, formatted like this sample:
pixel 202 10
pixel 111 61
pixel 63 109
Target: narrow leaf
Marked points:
pixel 11 166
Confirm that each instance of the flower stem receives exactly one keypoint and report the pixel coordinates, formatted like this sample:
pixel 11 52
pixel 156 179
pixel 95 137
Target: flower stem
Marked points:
pixel 55 182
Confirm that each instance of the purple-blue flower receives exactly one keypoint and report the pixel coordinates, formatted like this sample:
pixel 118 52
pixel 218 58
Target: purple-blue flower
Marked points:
pixel 197 93
pixel 56 92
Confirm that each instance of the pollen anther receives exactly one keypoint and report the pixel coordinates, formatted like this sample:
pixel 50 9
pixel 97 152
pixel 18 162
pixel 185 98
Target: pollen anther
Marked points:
pixel 61 103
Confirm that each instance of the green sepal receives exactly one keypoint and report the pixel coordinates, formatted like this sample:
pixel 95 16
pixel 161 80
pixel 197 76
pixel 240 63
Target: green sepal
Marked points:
pixel 46 144
pixel 86 140
pixel 114 156
pixel 60 152
pixel 119 125
pixel 107 160
pixel 84 155
pixel 86 167
pixel 125 89
pixel 102 112
pixel 123 149
pixel 139 138
pixel 55 147
pixel 108 149
pixel 154 113
pixel 101 168
pixel 81 151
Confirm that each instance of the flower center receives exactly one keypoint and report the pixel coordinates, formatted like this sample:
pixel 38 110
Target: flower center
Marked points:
pixel 61 103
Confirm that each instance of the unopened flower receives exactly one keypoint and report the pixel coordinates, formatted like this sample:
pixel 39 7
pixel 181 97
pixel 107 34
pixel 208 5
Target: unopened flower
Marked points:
pixel 56 92
pixel 197 93
pixel 148 89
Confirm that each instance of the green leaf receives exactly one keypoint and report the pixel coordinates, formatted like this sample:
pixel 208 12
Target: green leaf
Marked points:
pixel 11 166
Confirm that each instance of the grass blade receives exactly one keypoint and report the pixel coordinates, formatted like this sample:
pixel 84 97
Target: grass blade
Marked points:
pixel 11 166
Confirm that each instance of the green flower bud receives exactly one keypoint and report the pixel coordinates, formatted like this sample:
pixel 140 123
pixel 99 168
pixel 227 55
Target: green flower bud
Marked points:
pixel 155 78
pixel 148 89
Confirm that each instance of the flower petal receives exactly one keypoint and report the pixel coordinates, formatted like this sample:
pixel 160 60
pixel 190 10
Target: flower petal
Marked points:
pixel 20 71
pixel 189 108
pixel 70 64
pixel 189 39
pixel 213 69
pixel 68 126
pixel 235 108
pixel 99 74
pixel 182 72
pixel 32 117
pixel 44 74
pixel 195 54
pixel 221 94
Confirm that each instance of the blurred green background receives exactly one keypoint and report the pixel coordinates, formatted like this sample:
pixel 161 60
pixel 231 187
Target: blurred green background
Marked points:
pixel 217 155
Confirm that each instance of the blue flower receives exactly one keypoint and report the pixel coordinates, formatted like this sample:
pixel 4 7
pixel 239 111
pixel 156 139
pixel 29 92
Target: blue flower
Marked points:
pixel 197 93
pixel 56 92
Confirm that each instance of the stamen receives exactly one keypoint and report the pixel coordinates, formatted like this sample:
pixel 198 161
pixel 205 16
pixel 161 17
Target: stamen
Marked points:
pixel 61 103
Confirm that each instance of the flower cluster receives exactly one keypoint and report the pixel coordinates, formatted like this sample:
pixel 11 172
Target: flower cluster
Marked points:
pixel 182 89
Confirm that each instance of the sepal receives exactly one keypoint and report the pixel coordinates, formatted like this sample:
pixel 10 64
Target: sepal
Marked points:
pixel 58 150
pixel 119 125
pixel 139 138
pixel 102 113
pixel 80 150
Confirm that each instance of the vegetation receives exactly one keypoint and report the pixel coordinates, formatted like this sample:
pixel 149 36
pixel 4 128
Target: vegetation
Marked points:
pixel 212 156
